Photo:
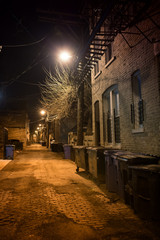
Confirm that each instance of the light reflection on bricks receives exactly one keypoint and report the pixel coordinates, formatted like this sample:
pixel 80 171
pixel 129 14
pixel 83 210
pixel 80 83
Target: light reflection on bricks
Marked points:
pixel 47 196
pixel 40 201
pixel 78 209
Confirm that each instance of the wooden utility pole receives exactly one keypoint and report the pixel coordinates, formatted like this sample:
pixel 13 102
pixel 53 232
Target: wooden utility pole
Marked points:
pixel 80 112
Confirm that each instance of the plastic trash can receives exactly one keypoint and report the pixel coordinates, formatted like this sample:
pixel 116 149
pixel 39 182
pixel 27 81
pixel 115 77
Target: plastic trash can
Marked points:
pixel 43 143
pixel 96 162
pixel 111 171
pixel 56 147
pixel 67 151
pixel 81 158
pixel 146 190
pixel 9 153
pixel 125 175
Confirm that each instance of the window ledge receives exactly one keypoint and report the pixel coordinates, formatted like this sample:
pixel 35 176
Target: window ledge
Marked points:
pixel 138 130
pixel 110 61
pixel 97 75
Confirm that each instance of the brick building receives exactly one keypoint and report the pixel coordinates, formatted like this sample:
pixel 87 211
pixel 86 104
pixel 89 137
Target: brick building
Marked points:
pixel 3 141
pixel 126 88
pixel 17 124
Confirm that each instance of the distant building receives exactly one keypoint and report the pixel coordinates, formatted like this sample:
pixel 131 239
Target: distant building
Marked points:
pixel 17 124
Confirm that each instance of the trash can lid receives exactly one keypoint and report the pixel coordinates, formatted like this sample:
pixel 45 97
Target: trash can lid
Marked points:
pixel 10 145
pixel 67 145
pixel 94 148
pixel 138 159
pixel 79 147
pixel 151 168
pixel 110 151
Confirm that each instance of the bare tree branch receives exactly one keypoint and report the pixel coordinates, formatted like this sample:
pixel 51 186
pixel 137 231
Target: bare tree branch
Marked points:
pixel 59 93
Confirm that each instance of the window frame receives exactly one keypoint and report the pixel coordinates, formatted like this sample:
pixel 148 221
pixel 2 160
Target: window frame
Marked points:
pixel 137 109
pixel 108 53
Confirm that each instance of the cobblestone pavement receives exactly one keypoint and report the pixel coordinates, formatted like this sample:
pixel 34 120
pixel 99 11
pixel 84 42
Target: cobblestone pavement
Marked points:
pixel 42 197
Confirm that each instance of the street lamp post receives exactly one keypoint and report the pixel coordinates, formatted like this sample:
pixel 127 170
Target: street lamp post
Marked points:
pixel 80 115
pixel 45 114
pixel 65 57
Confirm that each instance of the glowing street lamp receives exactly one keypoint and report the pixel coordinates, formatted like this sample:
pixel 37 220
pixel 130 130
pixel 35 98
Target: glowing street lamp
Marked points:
pixel 65 56
pixel 42 112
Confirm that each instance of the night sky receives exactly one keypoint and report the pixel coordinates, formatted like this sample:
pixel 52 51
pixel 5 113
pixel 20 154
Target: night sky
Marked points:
pixel 21 68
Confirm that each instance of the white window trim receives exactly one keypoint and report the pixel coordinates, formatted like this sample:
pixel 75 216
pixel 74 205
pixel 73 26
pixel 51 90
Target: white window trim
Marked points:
pixel 138 130
pixel 97 75
pixel 110 61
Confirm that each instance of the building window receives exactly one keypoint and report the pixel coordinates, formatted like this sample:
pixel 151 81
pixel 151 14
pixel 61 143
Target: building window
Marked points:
pixel 108 53
pixel 137 116
pixel 97 124
pixel 111 116
pixel 96 68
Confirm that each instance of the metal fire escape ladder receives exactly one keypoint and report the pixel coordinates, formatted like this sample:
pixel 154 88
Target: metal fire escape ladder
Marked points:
pixel 116 18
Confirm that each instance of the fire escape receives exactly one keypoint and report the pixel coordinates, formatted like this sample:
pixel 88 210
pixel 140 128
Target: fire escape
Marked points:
pixel 106 22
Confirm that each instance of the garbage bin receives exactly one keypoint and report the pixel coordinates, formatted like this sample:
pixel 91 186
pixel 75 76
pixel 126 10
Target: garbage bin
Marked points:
pixel 124 173
pixel 146 190
pixel 111 170
pixel 17 143
pixel 43 143
pixel 67 151
pixel 81 158
pixel 96 162
pixel 56 147
pixel 9 153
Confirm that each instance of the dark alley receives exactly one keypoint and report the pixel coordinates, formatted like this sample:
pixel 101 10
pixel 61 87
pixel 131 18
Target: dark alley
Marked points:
pixel 42 197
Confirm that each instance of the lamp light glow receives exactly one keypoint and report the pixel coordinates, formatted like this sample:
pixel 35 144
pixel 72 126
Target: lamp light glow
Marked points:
pixel 64 56
pixel 43 112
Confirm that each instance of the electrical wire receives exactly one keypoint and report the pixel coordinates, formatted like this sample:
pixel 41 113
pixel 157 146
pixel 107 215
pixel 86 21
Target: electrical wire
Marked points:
pixel 24 97
pixel 23 45
pixel 12 80
pixel 28 83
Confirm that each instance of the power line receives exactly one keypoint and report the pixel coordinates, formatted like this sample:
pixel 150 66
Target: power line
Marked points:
pixel 28 83
pixel 23 45
pixel 12 80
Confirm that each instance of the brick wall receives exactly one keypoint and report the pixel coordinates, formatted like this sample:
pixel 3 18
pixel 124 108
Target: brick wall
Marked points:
pixel 18 133
pixel 127 60
pixel 3 141
pixel 17 124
